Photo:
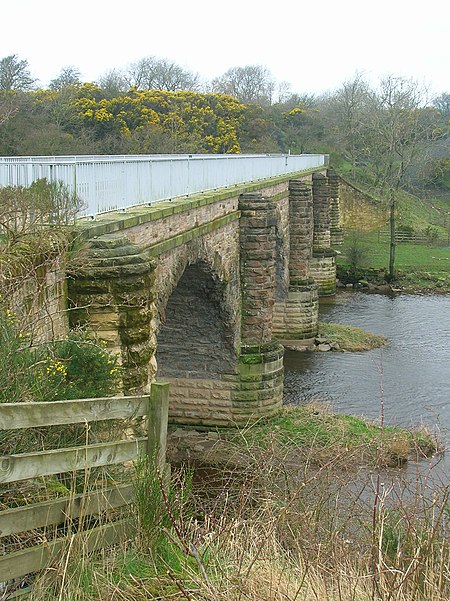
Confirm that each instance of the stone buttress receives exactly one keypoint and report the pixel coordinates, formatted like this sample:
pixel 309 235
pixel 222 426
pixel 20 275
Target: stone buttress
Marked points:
pixel 113 294
pixel 296 318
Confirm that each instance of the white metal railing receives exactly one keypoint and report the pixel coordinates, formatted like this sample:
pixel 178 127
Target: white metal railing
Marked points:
pixel 108 182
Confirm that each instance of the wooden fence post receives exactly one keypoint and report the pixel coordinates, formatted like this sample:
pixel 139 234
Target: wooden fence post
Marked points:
pixel 158 410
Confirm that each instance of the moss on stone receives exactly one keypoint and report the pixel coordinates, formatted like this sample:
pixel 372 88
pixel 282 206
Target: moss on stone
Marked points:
pixel 251 359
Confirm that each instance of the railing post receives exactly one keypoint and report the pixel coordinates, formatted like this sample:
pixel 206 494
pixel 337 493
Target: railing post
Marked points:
pixel 158 410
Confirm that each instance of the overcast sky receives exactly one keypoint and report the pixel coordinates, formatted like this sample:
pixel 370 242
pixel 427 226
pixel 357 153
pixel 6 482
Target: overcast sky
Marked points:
pixel 315 45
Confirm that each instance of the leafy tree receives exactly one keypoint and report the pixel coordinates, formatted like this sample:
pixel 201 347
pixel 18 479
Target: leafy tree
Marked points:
pixel 259 132
pixel 191 122
pixel 302 129
pixel 69 76
pixel 15 74
pixel 44 122
pixel 252 84
pixel 442 104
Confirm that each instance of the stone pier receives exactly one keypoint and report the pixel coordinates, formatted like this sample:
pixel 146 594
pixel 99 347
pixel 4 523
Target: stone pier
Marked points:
pixel 296 317
pixel 261 357
pixel 336 231
pixel 323 262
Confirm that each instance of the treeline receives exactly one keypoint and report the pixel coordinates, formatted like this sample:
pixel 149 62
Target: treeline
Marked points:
pixel 155 106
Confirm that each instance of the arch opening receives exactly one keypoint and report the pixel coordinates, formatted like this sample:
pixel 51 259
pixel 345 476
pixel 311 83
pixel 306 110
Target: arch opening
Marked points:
pixel 195 338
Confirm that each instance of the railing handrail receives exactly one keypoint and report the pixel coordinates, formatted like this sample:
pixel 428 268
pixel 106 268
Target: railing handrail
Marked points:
pixel 109 182
pixel 107 158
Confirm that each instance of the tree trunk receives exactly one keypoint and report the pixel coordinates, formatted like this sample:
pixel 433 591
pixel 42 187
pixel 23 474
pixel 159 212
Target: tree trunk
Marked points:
pixel 392 235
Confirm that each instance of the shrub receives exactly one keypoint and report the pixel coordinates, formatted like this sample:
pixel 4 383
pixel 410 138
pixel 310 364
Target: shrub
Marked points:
pixel 78 367
pixel 17 373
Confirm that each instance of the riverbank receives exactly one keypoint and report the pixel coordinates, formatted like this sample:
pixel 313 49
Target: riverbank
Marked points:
pixel 262 530
pixel 309 434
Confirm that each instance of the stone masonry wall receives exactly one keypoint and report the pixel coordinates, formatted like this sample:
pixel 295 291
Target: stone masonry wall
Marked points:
pixel 41 303
pixel 195 338
pixel 359 210
pixel 33 286
pixel 158 230
pixel 218 248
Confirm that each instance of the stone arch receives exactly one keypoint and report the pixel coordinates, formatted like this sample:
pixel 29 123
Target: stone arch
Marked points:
pixel 195 337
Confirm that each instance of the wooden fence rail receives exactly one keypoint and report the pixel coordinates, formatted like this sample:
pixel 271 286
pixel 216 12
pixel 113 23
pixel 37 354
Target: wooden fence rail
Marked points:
pixel 413 238
pixel 63 510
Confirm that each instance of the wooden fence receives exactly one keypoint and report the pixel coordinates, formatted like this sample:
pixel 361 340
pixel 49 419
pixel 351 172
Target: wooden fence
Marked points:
pixel 413 238
pixel 63 510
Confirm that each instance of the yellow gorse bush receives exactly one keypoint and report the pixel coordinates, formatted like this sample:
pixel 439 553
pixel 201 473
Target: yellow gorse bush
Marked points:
pixel 213 120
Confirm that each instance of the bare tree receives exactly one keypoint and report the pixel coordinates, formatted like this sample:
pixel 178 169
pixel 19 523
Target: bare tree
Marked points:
pixel 152 73
pixel 15 74
pixel 252 84
pixel 283 92
pixel 69 76
pixel 398 129
pixel 26 210
pixel 7 108
pixel 113 82
pixel 346 110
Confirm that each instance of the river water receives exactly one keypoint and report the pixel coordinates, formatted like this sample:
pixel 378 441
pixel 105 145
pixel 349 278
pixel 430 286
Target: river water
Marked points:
pixel 411 375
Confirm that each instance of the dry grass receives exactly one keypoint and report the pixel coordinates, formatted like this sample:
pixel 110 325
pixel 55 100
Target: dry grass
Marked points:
pixel 269 532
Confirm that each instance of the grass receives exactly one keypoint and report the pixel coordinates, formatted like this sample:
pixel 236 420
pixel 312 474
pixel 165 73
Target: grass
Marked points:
pixel 421 214
pixel 312 431
pixel 350 338
pixel 418 266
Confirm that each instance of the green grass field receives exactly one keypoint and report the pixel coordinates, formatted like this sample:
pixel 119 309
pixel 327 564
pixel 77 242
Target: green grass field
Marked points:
pixel 417 265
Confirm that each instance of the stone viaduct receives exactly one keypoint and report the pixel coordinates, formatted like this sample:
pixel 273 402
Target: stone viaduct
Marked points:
pixel 203 292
